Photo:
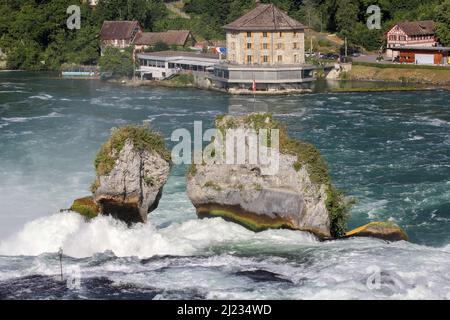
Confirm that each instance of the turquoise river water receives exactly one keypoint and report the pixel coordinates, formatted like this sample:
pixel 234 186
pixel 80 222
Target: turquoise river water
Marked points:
pixel 389 150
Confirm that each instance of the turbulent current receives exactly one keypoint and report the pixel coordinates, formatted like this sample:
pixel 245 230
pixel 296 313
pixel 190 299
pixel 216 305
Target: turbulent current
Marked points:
pixel 389 150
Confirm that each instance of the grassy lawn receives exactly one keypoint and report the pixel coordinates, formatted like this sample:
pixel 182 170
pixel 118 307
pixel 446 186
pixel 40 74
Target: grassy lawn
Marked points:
pixel 400 73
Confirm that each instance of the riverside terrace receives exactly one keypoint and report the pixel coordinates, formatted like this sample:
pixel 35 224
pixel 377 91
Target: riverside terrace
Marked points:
pixel 164 64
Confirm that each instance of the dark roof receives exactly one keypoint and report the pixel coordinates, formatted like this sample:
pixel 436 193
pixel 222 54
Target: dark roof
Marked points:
pixel 421 48
pixel 265 17
pixel 121 30
pixel 190 54
pixel 417 28
pixel 171 37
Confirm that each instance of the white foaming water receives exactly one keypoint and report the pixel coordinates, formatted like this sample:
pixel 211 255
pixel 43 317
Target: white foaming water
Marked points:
pixel 24 119
pixel 42 96
pixel 83 239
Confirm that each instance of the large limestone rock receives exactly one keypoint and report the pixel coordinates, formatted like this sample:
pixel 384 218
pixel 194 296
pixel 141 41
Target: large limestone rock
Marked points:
pixel 132 168
pixel 295 197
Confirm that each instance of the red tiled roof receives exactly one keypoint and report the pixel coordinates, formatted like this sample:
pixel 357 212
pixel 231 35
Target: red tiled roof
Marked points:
pixel 417 28
pixel 171 37
pixel 121 30
pixel 265 17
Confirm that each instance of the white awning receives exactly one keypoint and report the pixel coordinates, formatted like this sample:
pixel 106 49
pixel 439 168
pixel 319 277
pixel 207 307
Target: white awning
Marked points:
pixel 193 62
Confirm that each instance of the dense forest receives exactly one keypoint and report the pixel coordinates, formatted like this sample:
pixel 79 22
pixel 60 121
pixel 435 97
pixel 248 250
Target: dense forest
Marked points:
pixel 34 35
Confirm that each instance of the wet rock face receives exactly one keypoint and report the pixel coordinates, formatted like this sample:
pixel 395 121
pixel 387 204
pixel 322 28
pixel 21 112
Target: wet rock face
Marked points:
pixel 242 193
pixel 239 193
pixel 388 231
pixel 133 186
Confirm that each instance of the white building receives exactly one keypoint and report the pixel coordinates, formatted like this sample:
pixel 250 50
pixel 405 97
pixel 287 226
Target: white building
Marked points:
pixel 164 64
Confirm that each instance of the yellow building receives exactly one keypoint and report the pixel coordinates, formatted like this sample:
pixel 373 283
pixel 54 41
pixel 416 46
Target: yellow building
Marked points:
pixel 266 52
pixel 265 36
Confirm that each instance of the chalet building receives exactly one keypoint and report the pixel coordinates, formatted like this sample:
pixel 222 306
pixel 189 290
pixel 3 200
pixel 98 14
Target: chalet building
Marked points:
pixel 119 34
pixel 266 47
pixel 173 38
pixel 407 34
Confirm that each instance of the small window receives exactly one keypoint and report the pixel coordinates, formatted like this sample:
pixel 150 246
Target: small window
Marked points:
pixel 295 45
pixel 265 45
pixel 295 33
pixel 265 59
pixel 249 34
pixel 233 46
pixel 279 45
pixel 280 58
pixel 249 59
pixel 281 34
pixel 249 45
pixel 265 34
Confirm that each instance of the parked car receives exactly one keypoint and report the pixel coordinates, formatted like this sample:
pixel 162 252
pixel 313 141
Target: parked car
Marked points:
pixel 330 56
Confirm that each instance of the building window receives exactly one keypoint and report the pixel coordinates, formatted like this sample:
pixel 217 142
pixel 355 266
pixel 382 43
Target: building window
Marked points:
pixel 279 45
pixel 249 34
pixel 249 58
pixel 265 59
pixel 233 46
pixel 280 58
pixel 295 34
pixel 265 45
pixel 296 58
pixel 265 34
pixel 249 45
pixel 295 45
pixel 281 34
pixel 233 57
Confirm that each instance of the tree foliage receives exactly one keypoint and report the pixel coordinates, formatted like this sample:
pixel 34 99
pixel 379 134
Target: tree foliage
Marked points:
pixel 34 35
pixel 442 14
pixel 119 62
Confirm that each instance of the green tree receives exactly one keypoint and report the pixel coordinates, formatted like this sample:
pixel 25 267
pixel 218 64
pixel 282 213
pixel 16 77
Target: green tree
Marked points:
pixel 346 15
pixel 119 62
pixel 161 46
pixel 442 14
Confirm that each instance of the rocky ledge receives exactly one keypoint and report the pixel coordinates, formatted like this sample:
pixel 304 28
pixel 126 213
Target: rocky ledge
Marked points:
pixel 298 196
pixel 378 229
pixel 132 167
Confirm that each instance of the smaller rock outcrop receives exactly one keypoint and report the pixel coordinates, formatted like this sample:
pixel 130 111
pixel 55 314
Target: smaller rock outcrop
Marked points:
pixel 378 229
pixel 86 207
pixel 132 167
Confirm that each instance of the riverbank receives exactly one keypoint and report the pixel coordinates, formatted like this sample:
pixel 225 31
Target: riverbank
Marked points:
pixel 319 86
pixel 388 89
pixel 430 75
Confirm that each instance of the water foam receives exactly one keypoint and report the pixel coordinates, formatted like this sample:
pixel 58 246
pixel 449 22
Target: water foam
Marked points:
pixel 83 239
pixel 25 119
